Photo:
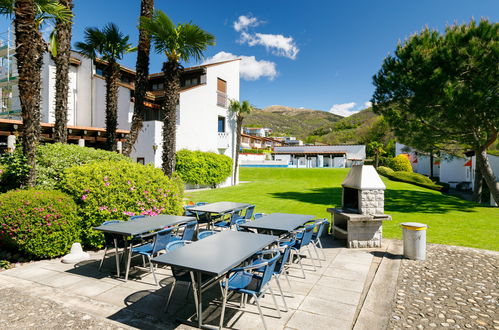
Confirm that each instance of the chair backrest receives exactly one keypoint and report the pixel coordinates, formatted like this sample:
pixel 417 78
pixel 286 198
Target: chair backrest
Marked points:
pixel 233 218
pixel 201 203
pixel 240 222
pixel 267 270
pixel 307 235
pixel 189 230
pixel 285 253
pixel 258 215
pixel 175 245
pixel 135 217
pixel 108 237
pixel 206 233
pixel 249 212
pixel 161 239
pixel 320 225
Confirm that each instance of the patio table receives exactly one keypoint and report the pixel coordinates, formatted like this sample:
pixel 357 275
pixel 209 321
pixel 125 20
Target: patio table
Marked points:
pixel 138 227
pixel 218 208
pixel 214 256
pixel 278 222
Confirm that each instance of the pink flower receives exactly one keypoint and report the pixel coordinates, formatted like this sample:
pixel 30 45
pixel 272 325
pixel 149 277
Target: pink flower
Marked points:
pixel 107 183
pixel 84 197
pixel 146 192
pixel 132 188
pixel 106 178
pixel 49 224
pixel 129 182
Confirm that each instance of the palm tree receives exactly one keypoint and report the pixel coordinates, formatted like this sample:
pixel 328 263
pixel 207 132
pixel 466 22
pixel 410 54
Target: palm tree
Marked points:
pixel 178 43
pixel 376 149
pixel 239 109
pixel 61 60
pixel 29 15
pixel 110 44
pixel 142 73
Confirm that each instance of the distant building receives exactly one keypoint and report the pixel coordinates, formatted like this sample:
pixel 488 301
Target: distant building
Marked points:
pixel 321 156
pixel 257 142
pixel 289 140
pixel 257 131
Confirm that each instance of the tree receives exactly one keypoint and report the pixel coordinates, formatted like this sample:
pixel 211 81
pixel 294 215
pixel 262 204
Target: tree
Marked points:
pixel 376 149
pixel 111 45
pixel 61 60
pixel 141 78
pixel 179 43
pixel 239 109
pixel 29 15
pixel 441 92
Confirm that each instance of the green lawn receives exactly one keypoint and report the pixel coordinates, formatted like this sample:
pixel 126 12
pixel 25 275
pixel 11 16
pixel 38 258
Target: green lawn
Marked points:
pixel 310 191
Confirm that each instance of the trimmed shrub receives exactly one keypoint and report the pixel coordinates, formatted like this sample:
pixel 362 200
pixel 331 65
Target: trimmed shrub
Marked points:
pixel 38 223
pixel 14 170
pixel 203 168
pixel 401 163
pixel 112 190
pixel 413 178
pixel 386 171
pixel 53 159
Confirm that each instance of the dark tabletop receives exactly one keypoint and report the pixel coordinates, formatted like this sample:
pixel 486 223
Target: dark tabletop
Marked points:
pixel 282 222
pixel 144 225
pixel 218 253
pixel 219 207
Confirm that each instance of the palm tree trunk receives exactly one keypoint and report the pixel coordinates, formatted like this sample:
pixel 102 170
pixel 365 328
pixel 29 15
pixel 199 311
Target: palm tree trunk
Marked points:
pixel 172 71
pixel 142 72
pixel 63 36
pixel 477 190
pixel 239 126
pixel 112 78
pixel 29 56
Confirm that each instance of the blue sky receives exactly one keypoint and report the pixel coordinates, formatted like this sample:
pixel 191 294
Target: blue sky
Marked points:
pixel 313 54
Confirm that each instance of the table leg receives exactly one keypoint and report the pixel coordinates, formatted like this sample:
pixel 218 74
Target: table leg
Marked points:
pixel 128 248
pixel 200 299
pixel 117 257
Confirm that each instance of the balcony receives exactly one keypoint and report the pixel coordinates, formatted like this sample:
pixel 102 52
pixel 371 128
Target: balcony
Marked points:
pixel 223 141
pixel 222 99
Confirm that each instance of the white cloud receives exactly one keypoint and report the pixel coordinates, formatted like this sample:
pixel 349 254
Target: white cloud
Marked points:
pixel 367 104
pixel 344 109
pixel 277 44
pixel 243 22
pixel 250 67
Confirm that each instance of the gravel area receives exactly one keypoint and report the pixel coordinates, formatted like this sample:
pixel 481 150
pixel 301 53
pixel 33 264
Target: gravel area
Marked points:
pixel 22 311
pixel 454 288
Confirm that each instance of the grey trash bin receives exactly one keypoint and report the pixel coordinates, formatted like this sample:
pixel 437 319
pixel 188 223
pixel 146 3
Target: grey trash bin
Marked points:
pixel 414 240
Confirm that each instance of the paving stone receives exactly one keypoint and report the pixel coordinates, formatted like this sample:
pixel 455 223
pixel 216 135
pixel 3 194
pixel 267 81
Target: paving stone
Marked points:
pixel 344 296
pixel 310 321
pixel 328 308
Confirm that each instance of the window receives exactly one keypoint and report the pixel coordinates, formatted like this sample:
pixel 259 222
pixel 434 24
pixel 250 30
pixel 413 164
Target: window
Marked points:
pixel 157 87
pixel 221 124
pixel 221 93
pixel 141 160
pixel 188 82
pixel 99 71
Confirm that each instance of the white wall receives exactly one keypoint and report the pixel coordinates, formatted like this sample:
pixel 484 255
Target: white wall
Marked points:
pixel 251 157
pixel 453 170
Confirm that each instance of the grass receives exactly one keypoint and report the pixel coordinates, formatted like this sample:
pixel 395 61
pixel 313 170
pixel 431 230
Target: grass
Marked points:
pixel 451 220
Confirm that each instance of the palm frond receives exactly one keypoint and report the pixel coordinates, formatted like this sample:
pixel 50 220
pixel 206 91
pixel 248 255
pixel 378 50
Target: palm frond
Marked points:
pixel 6 7
pixel 109 43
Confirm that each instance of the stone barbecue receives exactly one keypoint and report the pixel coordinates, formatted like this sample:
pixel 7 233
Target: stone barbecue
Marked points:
pixel 359 220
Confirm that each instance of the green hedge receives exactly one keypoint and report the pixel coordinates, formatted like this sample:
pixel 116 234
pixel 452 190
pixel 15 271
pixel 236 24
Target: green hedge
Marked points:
pixel 203 168
pixel 253 151
pixel 111 190
pixel 401 163
pixel 414 178
pixel 37 223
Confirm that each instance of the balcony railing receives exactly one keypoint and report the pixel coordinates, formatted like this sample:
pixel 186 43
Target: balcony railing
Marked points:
pixel 222 99
pixel 223 140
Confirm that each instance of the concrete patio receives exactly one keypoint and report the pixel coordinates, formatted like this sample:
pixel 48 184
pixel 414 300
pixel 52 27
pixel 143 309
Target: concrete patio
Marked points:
pixel 353 289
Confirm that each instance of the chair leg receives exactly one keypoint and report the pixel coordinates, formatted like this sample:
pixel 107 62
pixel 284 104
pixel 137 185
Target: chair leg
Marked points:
pixel 322 249
pixel 143 261
pixel 170 295
pixel 282 293
pixel 301 265
pixel 224 302
pixel 311 259
pixel 194 292
pixel 317 254
pixel 103 257
pixel 260 311
pixel 151 268
pixel 117 257
pixel 275 302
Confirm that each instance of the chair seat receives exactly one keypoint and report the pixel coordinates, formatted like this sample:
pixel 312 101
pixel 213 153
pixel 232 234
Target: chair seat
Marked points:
pixel 175 238
pixel 239 280
pixel 222 224
pixel 145 249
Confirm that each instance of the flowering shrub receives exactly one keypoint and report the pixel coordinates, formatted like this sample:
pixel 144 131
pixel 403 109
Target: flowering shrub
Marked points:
pixel 41 224
pixel 203 168
pixel 401 163
pixel 112 190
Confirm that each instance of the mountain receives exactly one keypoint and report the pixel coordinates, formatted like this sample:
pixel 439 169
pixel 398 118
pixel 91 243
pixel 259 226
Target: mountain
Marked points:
pixel 287 121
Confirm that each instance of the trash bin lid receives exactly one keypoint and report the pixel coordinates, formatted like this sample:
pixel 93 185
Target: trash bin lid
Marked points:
pixel 413 226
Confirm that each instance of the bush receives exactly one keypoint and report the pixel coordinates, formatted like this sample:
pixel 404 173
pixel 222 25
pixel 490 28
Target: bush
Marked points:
pixel 386 171
pixel 111 190
pixel 401 163
pixel 53 159
pixel 414 178
pixel 252 151
pixel 14 170
pixel 203 168
pixel 41 224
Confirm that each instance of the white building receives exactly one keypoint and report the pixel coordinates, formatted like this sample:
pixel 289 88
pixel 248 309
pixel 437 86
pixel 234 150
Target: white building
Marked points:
pixel 321 156
pixel 203 120
pixel 257 131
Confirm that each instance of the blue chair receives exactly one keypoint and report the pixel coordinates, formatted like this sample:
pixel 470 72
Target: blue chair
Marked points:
pixel 304 240
pixel 258 215
pixel 316 237
pixel 112 241
pixel 252 280
pixel 238 223
pixel 189 229
pixel 135 217
pixel 186 211
pixel 228 224
pixel 206 233
pixel 249 212
pixel 179 275
pixel 150 250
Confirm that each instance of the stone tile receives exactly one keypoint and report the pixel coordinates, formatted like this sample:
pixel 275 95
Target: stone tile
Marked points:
pixel 116 296
pixel 252 320
pixel 64 280
pixel 310 321
pixel 345 274
pixel 328 308
pixel 339 283
pixel 89 287
pixel 356 267
pixel 34 274
pixel 340 295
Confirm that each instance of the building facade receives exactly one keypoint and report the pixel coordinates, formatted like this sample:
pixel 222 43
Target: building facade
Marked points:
pixel 320 156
